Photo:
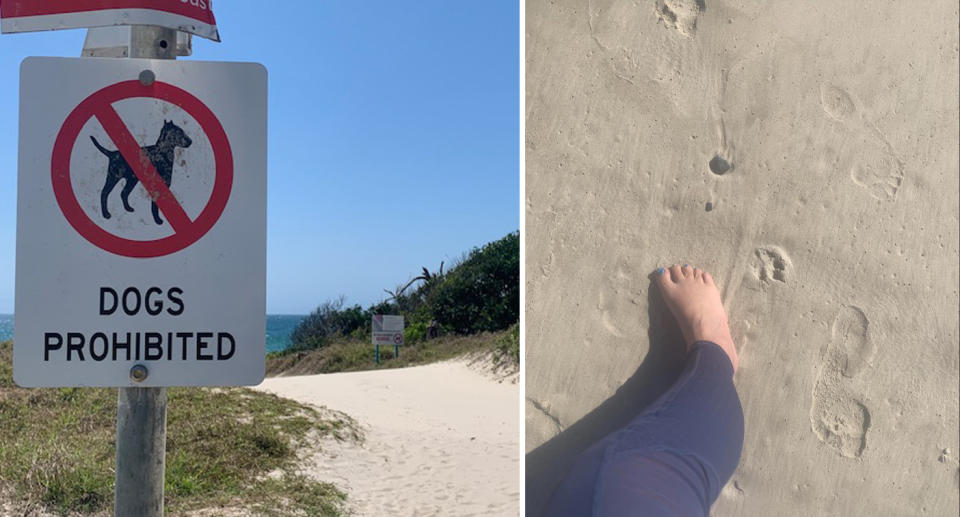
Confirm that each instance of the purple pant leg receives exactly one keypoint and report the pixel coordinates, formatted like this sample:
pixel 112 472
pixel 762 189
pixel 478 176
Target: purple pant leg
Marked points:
pixel 673 459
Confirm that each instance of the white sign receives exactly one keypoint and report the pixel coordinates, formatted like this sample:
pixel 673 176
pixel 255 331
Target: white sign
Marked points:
pixel 387 330
pixel 141 223
pixel 193 16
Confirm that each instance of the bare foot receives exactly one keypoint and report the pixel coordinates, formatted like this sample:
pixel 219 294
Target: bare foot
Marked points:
pixel 695 302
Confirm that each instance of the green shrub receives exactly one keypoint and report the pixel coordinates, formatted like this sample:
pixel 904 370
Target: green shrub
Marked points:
pixel 483 292
pixel 414 333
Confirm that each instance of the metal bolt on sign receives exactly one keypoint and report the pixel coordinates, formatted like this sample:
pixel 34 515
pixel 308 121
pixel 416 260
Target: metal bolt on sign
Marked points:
pixel 139 373
pixel 147 77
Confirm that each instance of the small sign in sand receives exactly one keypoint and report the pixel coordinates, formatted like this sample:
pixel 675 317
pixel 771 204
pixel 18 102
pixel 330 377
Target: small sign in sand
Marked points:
pixel 387 330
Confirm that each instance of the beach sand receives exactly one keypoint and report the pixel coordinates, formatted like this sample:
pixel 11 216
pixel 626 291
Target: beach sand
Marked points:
pixel 441 439
pixel 806 154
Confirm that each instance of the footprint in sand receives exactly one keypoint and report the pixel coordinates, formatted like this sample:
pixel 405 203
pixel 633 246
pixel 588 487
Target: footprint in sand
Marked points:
pixel 837 417
pixel 878 170
pixel 872 163
pixel 681 15
pixel 837 103
pixel 850 332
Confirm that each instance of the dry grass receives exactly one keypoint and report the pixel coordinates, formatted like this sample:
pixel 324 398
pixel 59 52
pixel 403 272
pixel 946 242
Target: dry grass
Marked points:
pixel 57 450
pixel 356 355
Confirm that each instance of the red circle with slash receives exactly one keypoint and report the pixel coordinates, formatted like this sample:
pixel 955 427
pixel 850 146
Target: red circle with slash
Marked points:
pixel 100 106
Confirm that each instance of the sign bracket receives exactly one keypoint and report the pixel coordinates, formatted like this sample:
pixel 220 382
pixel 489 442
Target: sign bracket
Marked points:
pixel 116 41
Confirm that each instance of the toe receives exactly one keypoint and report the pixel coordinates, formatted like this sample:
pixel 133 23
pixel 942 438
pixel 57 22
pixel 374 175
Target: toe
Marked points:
pixel 687 271
pixel 707 279
pixel 697 273
pixel 663 277
pixel 676 272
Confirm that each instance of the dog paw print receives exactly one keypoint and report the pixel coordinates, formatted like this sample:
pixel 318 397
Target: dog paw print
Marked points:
pixel 681 15
pixel 772 265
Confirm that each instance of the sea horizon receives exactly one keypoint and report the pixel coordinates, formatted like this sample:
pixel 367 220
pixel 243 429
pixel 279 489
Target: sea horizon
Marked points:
pixel 279 329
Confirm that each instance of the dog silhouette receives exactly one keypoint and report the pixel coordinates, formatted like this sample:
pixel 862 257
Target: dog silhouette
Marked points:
pixel 161 155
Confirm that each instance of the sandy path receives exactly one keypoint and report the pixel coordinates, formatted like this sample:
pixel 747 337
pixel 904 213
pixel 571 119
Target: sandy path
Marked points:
pixel 441 439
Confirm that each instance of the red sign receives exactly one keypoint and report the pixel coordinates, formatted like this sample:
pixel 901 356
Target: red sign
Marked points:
pixel 194 16
pixel 100 106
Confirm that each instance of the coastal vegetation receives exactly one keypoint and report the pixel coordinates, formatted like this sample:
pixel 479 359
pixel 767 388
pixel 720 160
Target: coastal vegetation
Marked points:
pixel 226 448
pixel 354 354
pixel 474 306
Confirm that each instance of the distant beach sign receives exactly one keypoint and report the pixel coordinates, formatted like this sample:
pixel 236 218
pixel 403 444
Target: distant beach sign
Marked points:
pixel 387 330
pixel 141 223
pixel 193 16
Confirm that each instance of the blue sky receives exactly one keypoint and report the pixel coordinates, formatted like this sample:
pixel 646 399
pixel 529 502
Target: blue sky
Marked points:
pixel 414 102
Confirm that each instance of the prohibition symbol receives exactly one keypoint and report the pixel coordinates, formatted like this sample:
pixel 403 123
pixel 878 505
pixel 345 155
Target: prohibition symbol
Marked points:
pixel 398 339
pixel 100 106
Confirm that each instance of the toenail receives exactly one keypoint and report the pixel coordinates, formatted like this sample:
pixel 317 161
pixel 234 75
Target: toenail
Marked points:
pixel 660 271
pixel 686 265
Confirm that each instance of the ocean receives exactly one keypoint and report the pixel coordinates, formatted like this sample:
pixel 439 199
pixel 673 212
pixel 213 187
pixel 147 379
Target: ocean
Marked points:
pixel 6 327
pixel 279 328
